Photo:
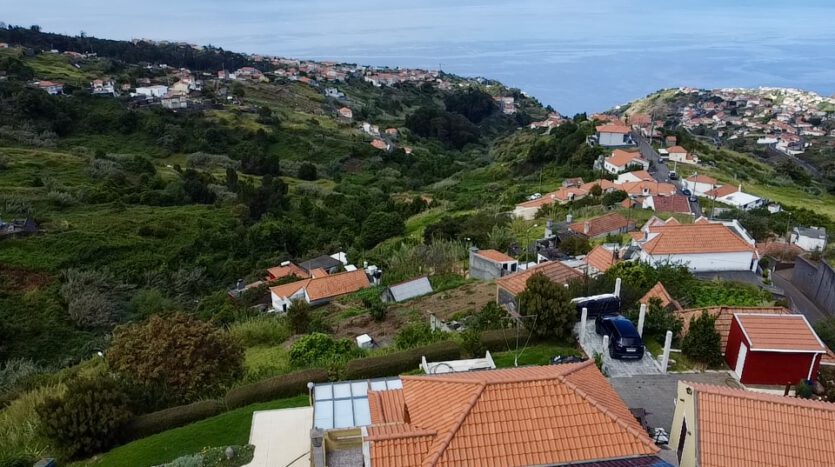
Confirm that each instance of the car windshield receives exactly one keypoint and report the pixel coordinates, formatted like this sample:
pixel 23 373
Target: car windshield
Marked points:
pixel 630 341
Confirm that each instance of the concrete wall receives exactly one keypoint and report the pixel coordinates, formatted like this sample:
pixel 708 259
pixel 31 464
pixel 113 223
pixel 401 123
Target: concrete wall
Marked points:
pixel 685 415
pixel 739 261
pixel 817 281
pixel 484 269
pixel 611 139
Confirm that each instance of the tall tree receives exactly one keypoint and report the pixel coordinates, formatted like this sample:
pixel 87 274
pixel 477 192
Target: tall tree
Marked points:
pixel 548 307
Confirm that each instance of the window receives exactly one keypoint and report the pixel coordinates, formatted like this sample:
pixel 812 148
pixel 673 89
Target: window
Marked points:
pixel 681 438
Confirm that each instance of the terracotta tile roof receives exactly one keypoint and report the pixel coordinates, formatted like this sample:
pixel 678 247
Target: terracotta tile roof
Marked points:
pixel 676 150
pixel 329 286
pixel 647 188
pixel 702 220
pixel 496 256
pixel 724 315
pixel 779 250
pixel 554 270
pixel 563 194
pixel 521 416
pixel 675 203
pixel 621 158
pixel 721 191
pixel 604 185
pixel 283 271
pixel 672 221
pixel 386 406
pixel 621 129
pixel 642 174
pixel 694 238
pixel 602 225
pixel 702 179
pixel 744 428
pixel 318 272
pixel 335 285
pixel 660 292
pixel 601 258
pixel 779 332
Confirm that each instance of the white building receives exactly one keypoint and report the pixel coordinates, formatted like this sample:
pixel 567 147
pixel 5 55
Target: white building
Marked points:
pixel 157 90
pixel 699 184
pixel 742 200
pixel 621 160
pixel 613 135
pixel 810 239
pixel 679 154
pixel 702 247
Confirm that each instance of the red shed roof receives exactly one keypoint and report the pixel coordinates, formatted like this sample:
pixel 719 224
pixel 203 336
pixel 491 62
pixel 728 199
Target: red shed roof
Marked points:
pixel 779 333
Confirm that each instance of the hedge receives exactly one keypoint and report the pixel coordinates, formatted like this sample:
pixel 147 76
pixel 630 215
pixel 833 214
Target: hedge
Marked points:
pixel 156 422
pixel 497 340
pixel 400 362
pixel 291 384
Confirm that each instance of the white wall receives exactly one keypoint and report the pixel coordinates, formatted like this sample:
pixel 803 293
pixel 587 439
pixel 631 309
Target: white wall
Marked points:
pixel 611 139
pixel 698 188
pixel 527 213
pixel 279 302
pixel 808 244
pixel 706 262
pixel 612 169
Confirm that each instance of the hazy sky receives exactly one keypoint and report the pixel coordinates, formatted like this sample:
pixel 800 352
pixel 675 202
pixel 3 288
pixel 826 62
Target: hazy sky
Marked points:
pixel 574 55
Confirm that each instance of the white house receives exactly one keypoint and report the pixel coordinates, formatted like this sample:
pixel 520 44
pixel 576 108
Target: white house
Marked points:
pixel 157 90
pixel 318 290
pixel 50 87
pixel 810 239
pixel 703 247
pixel 634 176
pixel 699 184
pixel 621 160
pixel 613 135
pixel 679 154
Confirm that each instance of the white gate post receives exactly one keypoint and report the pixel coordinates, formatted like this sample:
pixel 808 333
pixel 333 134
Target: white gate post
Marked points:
pixel 641 318
pixel 665 359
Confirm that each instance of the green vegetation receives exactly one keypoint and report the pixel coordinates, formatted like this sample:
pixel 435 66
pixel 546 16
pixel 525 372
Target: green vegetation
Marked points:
pixel 230 428
pixel 537 354
pixel 702 342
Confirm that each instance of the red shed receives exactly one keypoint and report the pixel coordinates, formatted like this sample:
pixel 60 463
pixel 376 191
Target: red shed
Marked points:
pixel 773 349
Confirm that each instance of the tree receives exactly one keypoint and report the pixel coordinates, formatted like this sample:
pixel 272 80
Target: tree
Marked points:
pixel 548 307
pixel 299 316
pixel 702 343
pixel 93 297
pixel 491 316
pixel 307 171
pixel 188 357
pixel 660 320
pixel 825 329
pixel 596 190
pixel 87 418
pixel 380 226
pixel 613 197
pixel 575 246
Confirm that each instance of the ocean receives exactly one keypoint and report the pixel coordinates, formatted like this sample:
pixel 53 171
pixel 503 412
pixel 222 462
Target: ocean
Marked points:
pixel 575 56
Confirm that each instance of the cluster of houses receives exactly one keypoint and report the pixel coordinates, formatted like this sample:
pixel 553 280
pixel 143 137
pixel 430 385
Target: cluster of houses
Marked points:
pixel 789 119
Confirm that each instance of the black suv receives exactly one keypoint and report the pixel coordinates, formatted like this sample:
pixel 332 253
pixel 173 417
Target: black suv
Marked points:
pixel 597 305
pixel 624 340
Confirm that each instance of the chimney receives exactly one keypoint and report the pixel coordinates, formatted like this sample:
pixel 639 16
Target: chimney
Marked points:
pixel 240 284
pixel 646 235
pixel 569 218
pixel 586 227
pixel 740 187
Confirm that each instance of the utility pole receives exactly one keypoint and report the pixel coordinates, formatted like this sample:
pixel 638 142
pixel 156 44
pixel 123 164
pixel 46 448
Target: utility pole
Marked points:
pixel 788 238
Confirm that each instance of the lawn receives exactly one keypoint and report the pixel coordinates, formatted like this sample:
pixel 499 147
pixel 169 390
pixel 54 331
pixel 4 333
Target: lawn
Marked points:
pixel 230 428
pixel 539 354
pixel 274 360
pixel 681 363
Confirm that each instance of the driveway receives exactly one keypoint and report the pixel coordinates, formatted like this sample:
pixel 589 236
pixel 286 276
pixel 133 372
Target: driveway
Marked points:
pixel 593 344
pixel 281 437
pixel 661 172
pixel 657 393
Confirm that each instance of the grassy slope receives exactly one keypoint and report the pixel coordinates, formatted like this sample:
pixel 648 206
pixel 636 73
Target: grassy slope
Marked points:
pixel 226 429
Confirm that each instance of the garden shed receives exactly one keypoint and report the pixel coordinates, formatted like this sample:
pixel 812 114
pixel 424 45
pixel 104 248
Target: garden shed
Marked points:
pixel 773 349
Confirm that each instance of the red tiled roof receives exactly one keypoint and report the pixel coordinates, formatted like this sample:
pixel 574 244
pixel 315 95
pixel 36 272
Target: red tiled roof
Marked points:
pixel 676 150
pixel 660 292
pixel 554 270
pixel 283 271
pixel 702 179
pixel 779 332
pixel 647 188
pixel 674 203
pixel 694 238
pixel 495 256
pixel 620 129
pixel 721 191
pixel 325 287
pixel 602 225
pixel 563 194
pixel 724 315
pixel 745 428
pixel 521 416
pixel 642 175
pixel 601 258
pixel 621 158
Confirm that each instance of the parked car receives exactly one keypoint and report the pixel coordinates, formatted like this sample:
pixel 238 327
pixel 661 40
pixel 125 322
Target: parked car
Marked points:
pixel 673 175
pixel 693 199
pixel 685 192
pixel 596 305
pixel 624 340
pixel 535 196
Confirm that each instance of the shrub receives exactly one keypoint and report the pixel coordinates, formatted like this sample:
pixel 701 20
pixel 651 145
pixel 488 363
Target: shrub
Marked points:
pixel 377 310
pixel 299 316
pixel 15 372
pixel 660 320
pixel 702 343
pixel 188 357
pixel 803 390
pixel 471 343
pixel 215 457
pixel 500 340
pixel 20 426
pixel 400 362
pixel 156 422
pixel 291 384
pixel 307 171
pixel 319 348
pixel 825 329
pixel 491 316
pixel 88 418
pixel 260 330
pixel 415 334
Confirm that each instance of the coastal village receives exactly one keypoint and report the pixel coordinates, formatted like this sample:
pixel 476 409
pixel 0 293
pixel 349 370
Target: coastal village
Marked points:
pixel 632 372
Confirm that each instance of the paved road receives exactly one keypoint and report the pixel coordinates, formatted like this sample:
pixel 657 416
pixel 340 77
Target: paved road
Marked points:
pixel 801 302
pixel 662 171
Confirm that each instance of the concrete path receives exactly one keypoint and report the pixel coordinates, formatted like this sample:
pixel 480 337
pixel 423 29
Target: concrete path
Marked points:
pixel 657 393
pixel 281 437
pixel 593 343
